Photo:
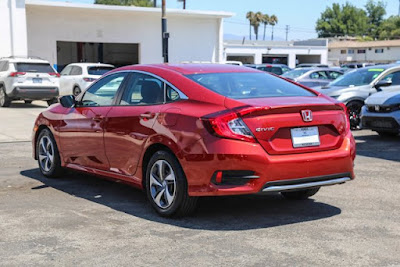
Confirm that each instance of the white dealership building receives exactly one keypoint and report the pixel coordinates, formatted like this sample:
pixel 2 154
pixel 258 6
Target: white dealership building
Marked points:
pixel 63 32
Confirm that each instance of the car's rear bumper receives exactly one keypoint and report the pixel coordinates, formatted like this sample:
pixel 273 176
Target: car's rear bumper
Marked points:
pixel 380 121
pixel 34 93
pixel 281 171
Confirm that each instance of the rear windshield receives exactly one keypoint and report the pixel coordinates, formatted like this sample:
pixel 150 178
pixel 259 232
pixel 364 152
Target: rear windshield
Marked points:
pixel 294 73
pixel 358 77
pixel 244 85
pixel 98 70
pixel 34 67
pixel 274 70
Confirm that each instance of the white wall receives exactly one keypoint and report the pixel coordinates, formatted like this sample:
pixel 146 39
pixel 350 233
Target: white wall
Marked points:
pixel 13 39
pixel 291 52
pixel 389 54
pixel 191 38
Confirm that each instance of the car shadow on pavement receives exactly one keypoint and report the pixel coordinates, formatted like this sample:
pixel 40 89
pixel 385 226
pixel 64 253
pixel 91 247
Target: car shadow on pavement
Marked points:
pixel 21 105
pixel 213 213
pixel 376 146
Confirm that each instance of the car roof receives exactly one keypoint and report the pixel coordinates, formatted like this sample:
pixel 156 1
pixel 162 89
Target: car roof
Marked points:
pixel 88 64
pixel 187 69
pixel 385 67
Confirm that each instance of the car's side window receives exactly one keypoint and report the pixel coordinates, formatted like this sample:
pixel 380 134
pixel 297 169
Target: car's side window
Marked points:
pixel 66 71
pixel 2 63
pixel 143 89
pixel 319 75
pixel 393 77
pixel 76 70
pixel 171 94
pixel 334 75
pixel 103 92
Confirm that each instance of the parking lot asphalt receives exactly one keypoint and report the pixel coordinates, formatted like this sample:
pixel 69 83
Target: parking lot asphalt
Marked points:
pixel 82 220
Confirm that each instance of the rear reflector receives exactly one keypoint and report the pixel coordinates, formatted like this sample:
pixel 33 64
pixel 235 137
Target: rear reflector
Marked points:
pixel 55 74
pixel 86 79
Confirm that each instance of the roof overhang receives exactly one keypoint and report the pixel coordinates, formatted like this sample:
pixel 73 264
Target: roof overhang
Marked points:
pixel 129 9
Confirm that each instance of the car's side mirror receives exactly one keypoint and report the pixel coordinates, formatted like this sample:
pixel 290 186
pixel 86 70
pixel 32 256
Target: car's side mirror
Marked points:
pixel 67 101
pixel 382 83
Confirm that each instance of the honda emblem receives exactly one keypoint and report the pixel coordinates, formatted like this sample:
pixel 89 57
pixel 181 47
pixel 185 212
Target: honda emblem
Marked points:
pixel 307 115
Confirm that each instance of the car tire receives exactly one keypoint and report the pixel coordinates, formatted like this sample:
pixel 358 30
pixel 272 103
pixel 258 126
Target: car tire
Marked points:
pixel 387 134
pixel 28 101
pixel 166 186
pixel 354 111
pixel 48 155
pixel 76 91
pixel 300 194
pixel 5 101
pixel 52 101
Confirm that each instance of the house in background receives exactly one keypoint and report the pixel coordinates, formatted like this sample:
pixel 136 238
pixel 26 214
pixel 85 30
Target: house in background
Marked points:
pixel 373 51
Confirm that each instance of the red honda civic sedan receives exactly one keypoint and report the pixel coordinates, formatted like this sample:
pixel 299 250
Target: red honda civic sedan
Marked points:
pixel 184 131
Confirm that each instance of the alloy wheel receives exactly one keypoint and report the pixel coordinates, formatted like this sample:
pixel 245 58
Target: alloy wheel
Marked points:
pixel 162 184
pixel 46 153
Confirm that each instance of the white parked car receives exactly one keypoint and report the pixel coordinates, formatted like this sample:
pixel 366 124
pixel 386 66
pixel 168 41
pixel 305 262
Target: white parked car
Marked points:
pixel 27 79
pixel 76 77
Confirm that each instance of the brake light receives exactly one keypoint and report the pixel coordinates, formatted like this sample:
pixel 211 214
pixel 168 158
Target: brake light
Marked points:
pixel 86 79
pixel 17 74
pixel 228 125
pixel 54 74
pixel 346 112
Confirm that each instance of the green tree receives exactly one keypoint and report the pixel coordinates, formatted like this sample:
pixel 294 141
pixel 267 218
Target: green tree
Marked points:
pixel 258 18
pixel 390 28
pixel 375 13
pixel 250 17
pixel 265 21
pixel 141 3
pixel 273 20
pixel 342 20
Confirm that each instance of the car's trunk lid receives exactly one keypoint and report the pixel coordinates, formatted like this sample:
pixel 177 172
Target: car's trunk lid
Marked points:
pixel 278 125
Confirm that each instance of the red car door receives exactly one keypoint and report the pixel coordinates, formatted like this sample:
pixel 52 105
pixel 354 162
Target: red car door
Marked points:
pixel 130 123
pixel 82 129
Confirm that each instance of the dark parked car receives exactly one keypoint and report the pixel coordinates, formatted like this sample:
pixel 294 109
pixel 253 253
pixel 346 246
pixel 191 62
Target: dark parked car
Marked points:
pixel 277 69
pixel 313 77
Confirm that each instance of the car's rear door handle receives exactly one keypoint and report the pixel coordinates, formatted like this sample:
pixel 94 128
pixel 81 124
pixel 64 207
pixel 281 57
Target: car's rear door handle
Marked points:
pixel 147 115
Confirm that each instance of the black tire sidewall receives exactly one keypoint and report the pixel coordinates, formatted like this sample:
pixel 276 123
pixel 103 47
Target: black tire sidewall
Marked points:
pixel 181 184
pixel 55 169
pixel 7 101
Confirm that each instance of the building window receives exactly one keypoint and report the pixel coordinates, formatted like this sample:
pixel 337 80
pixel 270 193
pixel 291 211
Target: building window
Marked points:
pixel 350 51
pixel 379 51
pixel 342 51
pixel 361 51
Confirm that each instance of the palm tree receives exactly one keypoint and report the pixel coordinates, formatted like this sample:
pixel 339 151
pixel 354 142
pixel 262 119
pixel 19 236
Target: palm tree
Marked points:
pixel 273 20
pixel 250 17
pixel 265 21
pixel 258 18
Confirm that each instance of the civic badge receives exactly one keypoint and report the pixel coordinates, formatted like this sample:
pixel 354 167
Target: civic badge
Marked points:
pixel 306 115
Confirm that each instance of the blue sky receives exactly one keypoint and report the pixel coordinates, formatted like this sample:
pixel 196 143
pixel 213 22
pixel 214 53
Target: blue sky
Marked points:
pixel 300 15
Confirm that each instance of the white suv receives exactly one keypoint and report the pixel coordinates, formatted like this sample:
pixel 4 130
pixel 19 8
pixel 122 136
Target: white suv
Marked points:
pixel 27 79
pixel 76 77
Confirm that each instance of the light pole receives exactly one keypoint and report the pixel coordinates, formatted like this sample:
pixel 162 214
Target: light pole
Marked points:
pixel 164 33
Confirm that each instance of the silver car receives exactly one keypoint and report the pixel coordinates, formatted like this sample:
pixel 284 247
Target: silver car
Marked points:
pixel 313 77
pixel 354 87
pixel 381 112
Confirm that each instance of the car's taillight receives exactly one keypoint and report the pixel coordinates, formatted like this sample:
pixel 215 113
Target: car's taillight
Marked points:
pixel 54 74
pixel 86 79
pixel 346 112
pixel 17 74
pixel 228 125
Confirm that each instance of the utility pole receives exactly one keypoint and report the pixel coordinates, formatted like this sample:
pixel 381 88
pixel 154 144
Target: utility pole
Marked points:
pixel 164 33
pixel 287 32
pixel 399 8
pixel 184 3
pixel 155 3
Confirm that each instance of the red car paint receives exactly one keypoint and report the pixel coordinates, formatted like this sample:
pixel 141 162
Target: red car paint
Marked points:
pixel 112 141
